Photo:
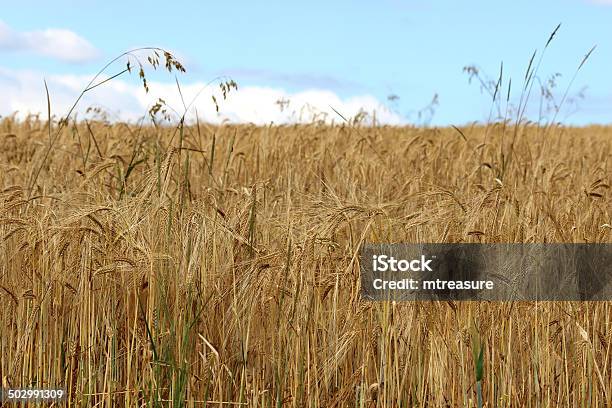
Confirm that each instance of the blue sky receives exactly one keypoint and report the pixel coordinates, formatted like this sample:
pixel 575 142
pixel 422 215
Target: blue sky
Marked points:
pixel 345 51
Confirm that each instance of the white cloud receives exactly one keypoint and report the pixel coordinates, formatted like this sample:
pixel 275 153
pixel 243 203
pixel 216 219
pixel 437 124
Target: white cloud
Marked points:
pixel 61 44
pixel 125 99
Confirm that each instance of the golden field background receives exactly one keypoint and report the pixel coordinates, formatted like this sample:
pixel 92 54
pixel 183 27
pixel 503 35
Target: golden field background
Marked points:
pixel 161 266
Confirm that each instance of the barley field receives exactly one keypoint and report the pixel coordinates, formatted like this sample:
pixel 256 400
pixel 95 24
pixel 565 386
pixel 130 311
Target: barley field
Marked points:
pixel 217 265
